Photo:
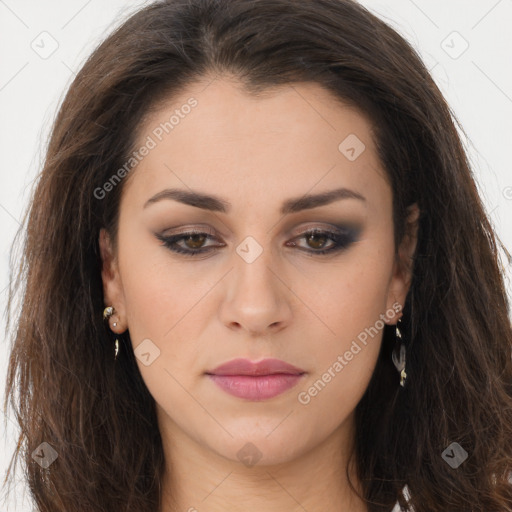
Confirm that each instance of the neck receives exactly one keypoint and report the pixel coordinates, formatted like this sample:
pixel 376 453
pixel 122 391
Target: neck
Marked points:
pixel 198 479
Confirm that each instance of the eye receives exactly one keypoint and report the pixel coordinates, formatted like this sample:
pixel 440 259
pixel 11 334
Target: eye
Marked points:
pixel 318 239
pixel 192 243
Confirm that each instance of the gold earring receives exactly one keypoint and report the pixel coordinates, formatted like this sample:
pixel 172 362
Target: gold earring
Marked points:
pixel 107 313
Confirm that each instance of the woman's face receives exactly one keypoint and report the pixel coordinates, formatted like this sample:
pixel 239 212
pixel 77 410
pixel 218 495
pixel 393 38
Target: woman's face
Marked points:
pixel 259 285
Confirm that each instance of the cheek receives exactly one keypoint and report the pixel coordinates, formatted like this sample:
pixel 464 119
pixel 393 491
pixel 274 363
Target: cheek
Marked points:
pixel 157 292
pixel 159 299
pixel 165 304
pixel 349 294
pixel 350 304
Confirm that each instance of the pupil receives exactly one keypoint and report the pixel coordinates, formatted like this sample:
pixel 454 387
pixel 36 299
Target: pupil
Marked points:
pixel 196 240
pixel 317 236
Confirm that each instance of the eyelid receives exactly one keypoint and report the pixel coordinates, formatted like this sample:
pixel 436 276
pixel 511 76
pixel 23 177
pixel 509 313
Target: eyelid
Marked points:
pixel 325 226
pixel 204 229
pixel 190 229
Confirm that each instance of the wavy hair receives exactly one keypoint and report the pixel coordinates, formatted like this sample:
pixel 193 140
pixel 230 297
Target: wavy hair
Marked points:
pixel 62 381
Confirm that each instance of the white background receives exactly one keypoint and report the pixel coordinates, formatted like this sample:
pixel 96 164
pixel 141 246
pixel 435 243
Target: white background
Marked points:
pixel 477 85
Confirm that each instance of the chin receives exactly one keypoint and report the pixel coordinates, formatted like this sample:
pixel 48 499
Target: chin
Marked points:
pixel 257 448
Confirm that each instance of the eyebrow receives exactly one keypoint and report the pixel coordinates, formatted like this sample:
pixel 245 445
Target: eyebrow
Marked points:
pixel 217 204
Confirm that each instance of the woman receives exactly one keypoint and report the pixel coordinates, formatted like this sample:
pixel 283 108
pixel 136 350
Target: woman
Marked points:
pixel 257 275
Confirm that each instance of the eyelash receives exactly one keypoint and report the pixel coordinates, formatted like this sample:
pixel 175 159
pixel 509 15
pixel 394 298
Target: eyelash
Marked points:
pixel 343 239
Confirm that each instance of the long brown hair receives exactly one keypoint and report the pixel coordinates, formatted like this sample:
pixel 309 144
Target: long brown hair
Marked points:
pixel 63 383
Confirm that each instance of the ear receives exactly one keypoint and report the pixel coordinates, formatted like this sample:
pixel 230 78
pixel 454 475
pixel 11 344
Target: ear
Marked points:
pixel 112 285
pixel 403 267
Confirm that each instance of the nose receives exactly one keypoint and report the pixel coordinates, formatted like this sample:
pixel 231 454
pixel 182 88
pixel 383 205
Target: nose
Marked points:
pixel 257 298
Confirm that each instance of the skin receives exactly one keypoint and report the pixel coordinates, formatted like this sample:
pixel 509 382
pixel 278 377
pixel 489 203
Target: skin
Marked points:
pixel 304 309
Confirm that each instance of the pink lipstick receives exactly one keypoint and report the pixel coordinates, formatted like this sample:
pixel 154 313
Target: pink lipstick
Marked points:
pixel 256 381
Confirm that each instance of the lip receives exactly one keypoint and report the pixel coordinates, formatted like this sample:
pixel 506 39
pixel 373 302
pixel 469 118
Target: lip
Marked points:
pixel 264 367
pixel 256 381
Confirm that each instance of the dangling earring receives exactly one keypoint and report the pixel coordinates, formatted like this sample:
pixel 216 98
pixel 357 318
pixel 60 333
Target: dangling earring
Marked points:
pixel 399 361
pixel 107 313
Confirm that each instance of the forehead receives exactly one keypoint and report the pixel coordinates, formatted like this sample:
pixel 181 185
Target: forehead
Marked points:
pixel 290 140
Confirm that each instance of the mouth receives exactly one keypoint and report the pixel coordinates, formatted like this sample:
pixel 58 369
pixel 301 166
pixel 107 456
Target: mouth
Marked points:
pixel 256 381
